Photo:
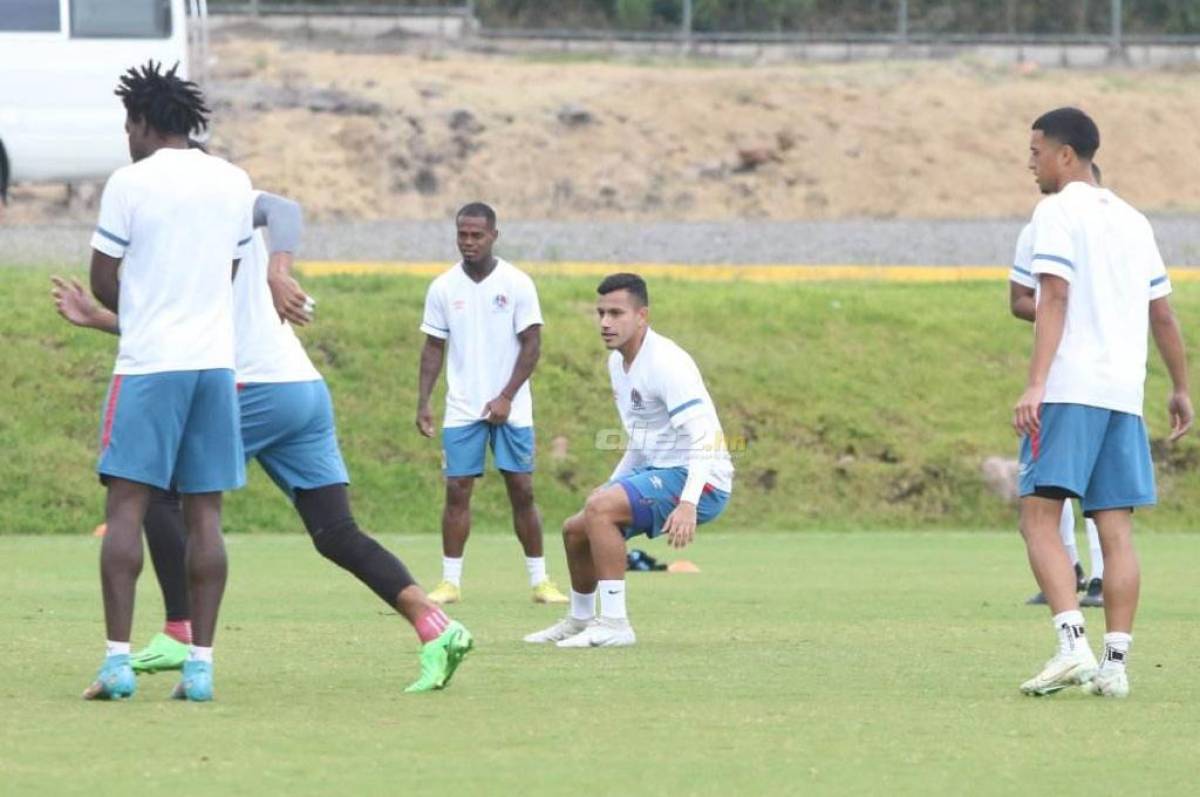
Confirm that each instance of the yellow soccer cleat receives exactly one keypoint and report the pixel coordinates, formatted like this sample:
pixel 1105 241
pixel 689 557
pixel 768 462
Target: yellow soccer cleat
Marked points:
pixel 548 592
pixel 446 592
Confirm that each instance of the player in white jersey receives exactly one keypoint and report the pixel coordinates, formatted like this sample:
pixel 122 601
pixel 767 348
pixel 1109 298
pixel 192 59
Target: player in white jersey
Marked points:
pixel 1102 287
pixel 675 473
pixel 287 424
pixel 1023 303
pixel 172 226
pixel 488 312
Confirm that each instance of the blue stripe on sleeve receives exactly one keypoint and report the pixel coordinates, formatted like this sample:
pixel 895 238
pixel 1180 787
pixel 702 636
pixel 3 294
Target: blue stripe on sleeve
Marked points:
pixel 1056 259
pixel 114 238
pixel 683 406
pixel 1024 271
pixel 245 240
pixel 1158 280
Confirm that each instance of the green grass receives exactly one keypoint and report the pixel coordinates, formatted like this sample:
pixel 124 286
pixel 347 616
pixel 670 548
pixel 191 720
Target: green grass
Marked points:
pixel 819 663
pixel 863 405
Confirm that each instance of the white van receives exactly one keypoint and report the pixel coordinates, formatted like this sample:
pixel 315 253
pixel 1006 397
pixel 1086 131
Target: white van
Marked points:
pixel 59 63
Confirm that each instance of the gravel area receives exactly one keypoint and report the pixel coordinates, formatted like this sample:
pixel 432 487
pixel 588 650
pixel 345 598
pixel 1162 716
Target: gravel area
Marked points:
pixel 866 242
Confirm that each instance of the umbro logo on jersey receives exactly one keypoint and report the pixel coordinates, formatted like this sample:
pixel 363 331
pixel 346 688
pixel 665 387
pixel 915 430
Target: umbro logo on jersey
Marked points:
pixel 636 398
pixel 459 304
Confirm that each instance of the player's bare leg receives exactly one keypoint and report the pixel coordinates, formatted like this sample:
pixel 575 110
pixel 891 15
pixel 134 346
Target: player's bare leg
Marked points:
pixel 121 554
pixel 207 569
pixel 120 565
pixel 1122 584
pixel 583 584
pixel 1074 662
pixel 527 523
pixel 456 528
pixel 607 510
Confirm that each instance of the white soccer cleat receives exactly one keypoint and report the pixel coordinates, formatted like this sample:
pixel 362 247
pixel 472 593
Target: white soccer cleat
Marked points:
pixel 1066 669
pixel 603 632
pixel 563 629
pixel 1109 682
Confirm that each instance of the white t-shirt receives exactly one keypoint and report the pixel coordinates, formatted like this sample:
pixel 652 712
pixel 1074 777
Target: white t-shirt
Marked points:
pixel 661 392
pixel 177 219
pixel 481 321
pixel 267 348
pixel 1106 251
pixel 1022 267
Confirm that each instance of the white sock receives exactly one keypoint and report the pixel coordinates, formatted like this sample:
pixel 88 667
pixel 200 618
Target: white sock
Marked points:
pixel 612 599
pixel 197 653
pixel 115 648
pixel 536 567
pixel 583 607
pixel 1069 627
pixel 1116 649
pixel 452 570
pixel 1066 528
pixel 1095 553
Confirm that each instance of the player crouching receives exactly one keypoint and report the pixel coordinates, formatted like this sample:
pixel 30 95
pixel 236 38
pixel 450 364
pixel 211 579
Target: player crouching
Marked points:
pixel 676 471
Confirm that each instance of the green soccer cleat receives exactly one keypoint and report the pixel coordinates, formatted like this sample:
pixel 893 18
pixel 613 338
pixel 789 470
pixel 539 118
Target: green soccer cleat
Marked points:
pixel 163 653
pixel 440 658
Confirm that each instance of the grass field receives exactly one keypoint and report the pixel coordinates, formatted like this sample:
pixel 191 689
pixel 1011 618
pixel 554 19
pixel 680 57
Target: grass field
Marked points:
pixel 862 405
pixel 793 664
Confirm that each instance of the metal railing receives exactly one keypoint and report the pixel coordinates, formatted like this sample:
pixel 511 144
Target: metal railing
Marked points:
pixel 904 28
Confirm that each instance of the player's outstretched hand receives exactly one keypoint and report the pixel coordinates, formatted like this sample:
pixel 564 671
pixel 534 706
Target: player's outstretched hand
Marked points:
pixel 291 302
pixel 497 410
pixel 425 421
pixel 1179 408
pixel 680 526
pixel 1027 412
pixel 72 302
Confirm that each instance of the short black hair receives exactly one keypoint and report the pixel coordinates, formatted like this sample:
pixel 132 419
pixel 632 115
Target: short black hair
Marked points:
pixel 478 210
pixel 1072 127
pixel 163 100
pixel 626 282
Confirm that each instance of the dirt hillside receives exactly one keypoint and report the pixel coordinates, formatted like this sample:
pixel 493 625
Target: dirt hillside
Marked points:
pixel 401 135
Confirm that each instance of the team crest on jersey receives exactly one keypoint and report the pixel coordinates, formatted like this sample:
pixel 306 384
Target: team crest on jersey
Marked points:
pixel 499 302
pixel 636 398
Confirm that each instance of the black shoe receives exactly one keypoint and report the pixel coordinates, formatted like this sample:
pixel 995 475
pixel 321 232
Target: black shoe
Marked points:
pixel 1095 594
pixel 1081 583
pixel 1037 600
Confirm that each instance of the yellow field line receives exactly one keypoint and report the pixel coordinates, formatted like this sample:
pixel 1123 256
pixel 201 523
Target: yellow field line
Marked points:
pixel 706 273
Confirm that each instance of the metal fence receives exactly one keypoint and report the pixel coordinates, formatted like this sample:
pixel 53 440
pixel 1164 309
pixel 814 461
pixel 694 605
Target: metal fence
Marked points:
pixel 1115 23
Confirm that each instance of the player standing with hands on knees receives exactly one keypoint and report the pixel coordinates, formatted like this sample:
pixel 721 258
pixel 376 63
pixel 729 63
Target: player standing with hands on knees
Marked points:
pixel 675 472
pixel 1102 287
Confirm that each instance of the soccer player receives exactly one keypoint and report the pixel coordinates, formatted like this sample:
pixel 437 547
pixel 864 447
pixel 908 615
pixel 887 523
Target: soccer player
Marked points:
pixel 1023 303
pixel 1101 283
pixel 287 423
pixel 488 311
pixel 172 226
pixel 675 473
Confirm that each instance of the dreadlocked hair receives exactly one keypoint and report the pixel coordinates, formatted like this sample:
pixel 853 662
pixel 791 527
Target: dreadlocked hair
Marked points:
pixel 165 101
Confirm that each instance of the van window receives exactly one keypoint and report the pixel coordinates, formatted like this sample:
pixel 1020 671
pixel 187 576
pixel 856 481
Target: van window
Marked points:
pixel 120 19
pixel 35 16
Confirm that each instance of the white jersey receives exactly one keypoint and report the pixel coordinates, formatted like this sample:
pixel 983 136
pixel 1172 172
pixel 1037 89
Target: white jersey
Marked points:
pixel 660 393
pixel 178 219
pixel 1022 267
pixel 481 321
pixel 267 348
pixel 1106 251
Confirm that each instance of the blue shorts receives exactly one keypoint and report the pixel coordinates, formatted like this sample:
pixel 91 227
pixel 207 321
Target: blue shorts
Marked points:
pixel 464 448
pixel 288 427
pixel 654 493
pixel 1100 456
pixel 173 430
